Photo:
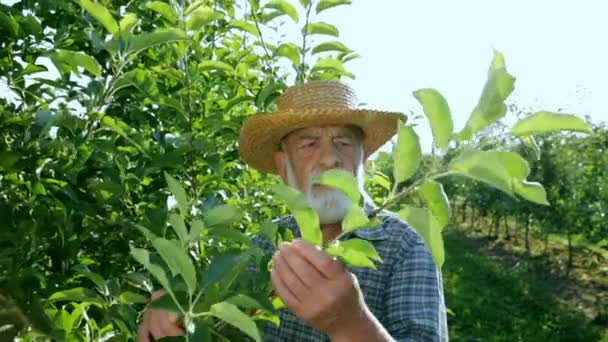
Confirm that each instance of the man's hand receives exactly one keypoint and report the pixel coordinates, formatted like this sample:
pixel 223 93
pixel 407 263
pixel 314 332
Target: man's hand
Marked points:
pixel 318 289
pixel 157 324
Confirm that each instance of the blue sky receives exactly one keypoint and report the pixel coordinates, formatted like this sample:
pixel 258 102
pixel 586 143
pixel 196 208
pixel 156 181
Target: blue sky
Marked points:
pixel 557 50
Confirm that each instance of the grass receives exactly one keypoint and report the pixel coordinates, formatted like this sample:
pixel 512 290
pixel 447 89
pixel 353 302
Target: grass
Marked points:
pixel 490 301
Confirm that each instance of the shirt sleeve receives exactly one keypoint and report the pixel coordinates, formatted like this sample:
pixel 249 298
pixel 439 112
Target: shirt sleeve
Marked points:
pixel 415 303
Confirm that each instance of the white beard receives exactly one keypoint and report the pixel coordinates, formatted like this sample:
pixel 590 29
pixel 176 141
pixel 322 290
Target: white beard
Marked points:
pixel 331 205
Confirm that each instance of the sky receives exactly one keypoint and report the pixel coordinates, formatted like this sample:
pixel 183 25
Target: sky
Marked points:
pixel 557 51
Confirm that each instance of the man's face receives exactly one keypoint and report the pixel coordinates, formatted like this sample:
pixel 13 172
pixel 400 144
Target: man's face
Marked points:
pixel 310 151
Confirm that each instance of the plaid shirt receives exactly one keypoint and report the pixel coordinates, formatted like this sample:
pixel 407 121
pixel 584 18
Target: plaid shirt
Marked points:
pixel 405 292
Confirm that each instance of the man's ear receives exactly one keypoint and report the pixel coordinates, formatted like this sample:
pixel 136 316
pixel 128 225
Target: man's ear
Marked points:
pixel 280 161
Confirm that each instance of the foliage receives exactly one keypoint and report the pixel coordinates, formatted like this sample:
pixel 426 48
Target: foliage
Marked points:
pixel 142 89
pixel 136 133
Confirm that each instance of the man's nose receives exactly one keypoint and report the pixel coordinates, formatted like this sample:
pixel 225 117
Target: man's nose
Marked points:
pixel 330 158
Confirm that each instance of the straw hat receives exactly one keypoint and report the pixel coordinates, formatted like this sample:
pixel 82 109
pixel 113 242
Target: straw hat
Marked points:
pixel 315 103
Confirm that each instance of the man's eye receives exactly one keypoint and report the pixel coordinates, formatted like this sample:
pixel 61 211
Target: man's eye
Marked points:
pixel 307 144
pixel 343 143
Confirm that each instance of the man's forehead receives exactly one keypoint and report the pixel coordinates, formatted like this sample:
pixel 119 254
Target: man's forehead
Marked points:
pixel 346 130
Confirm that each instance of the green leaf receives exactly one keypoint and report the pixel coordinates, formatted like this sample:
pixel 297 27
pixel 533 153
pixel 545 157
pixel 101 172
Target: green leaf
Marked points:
pixel 66 61
pixel 290 51
pixel 221 215
pixel 345 57
pixel 38 189
pixel 179 226
pixel 355 218
pixel 203 16
pixel 532 191
pixel 178 261
pixel 245 302
pixel 30 25
pixel 270 230
pixel 165 303
pixel 491 106
pixel 245 26
pixel 8 159
pixel 277 303
pixel 221 265
pixel 362 246
pixel 78 294
pixel 129 297
pixel 321 28
pixel 330 46
pixel 547 122
pixel 201 332
pixel 437 111
pixel 94 277
pixel 306 217
pixel 407 154
pixel 268 93
pixel 179 193
pixel 70 320
pixel 196 228
pixel 216 66
pixel 324 64
pixel 127 22
pixel 327 4
pixel 102 15
pixel 531 142
pixel 163 9
pixel 506 171
pixel 232 315
pixel 437 201
pixel 140 79
pixel 381 180
pixel 194 5
pixel 284 7
pixel 147 40
pixel 9 24
pixel 32 69
pixel 342 181
pixel 427 227
pixel 350 257
pixel 266 17
pixel 498 62
pixel 143 257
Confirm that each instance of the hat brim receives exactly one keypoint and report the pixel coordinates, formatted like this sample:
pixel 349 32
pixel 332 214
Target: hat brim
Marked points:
pixel 262 133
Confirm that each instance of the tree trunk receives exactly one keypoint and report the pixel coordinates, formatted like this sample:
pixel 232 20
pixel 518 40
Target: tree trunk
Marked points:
pixel 507 232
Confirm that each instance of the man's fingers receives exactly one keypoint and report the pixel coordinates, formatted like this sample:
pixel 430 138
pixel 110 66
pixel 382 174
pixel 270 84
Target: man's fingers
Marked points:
pixel 289 278
pixel 324 263
pixel 163 324
pixel 303 269
pixel 282 290
pixel 142 333
pixel 172 329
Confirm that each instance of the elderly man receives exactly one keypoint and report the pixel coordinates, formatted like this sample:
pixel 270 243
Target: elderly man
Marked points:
pixel 318 127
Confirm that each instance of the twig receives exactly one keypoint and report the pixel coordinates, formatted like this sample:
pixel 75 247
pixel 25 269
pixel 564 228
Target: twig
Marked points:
pixel 404 192
pixel 304 35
